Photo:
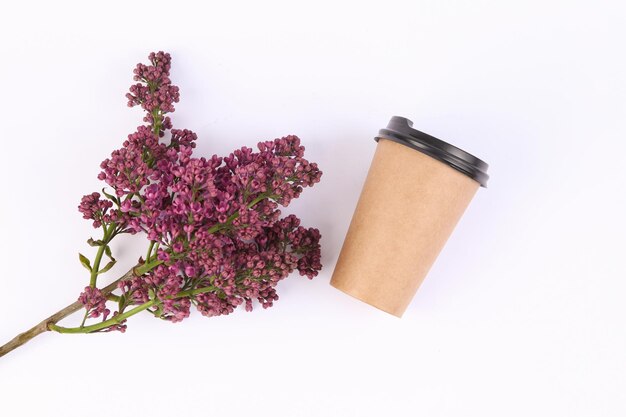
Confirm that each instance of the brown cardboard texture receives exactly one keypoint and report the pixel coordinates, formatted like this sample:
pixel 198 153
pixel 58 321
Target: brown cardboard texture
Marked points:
pixel 409 206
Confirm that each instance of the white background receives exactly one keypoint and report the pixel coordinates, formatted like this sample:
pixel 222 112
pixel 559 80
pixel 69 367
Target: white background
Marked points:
pixel 524 312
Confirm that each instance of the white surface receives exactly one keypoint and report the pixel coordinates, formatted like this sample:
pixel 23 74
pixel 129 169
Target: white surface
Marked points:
pixel 523 314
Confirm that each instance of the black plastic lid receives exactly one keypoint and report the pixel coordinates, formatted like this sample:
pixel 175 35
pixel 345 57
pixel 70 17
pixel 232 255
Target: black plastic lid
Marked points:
pixel 400 130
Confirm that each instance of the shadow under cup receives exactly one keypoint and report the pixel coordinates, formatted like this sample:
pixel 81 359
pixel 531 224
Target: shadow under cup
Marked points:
pixel 416 190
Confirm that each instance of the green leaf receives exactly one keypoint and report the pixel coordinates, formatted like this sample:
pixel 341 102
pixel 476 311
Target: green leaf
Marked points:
pixel 106 267
pixel 92 242
pixel 107 250
pixel 122 303
pixel 110 197
pixel 84 261
pixel 151 294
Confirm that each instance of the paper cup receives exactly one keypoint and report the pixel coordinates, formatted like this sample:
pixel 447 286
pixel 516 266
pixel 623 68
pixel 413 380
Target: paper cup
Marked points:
pixel 416 190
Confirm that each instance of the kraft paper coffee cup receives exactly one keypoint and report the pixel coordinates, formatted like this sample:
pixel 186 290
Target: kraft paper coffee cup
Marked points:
pixel 416 190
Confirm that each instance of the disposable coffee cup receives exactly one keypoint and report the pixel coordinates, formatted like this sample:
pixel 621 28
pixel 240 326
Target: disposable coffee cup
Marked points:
pixel 416 190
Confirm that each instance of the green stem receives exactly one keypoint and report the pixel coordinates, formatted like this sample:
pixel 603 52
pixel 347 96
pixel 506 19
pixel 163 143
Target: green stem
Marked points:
pixel 96 266
pixel 96 262
pixel 107 323
pixel 146 267
pixel 82 323
pixel 121 317
pixel 149 254
pixel 155 250
pixel 156 117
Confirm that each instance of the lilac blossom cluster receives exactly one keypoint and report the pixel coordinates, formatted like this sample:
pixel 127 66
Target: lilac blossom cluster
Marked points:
pixel 217 239
pixel 94 302
pixel 154 92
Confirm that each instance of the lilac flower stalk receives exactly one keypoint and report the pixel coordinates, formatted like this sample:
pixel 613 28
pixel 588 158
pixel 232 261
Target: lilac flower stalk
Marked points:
pixel 216 238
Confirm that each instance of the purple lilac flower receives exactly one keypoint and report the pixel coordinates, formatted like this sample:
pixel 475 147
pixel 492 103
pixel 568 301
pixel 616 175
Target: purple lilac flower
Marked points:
pixel 93 208
pixel 222 242
pixel 94 302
